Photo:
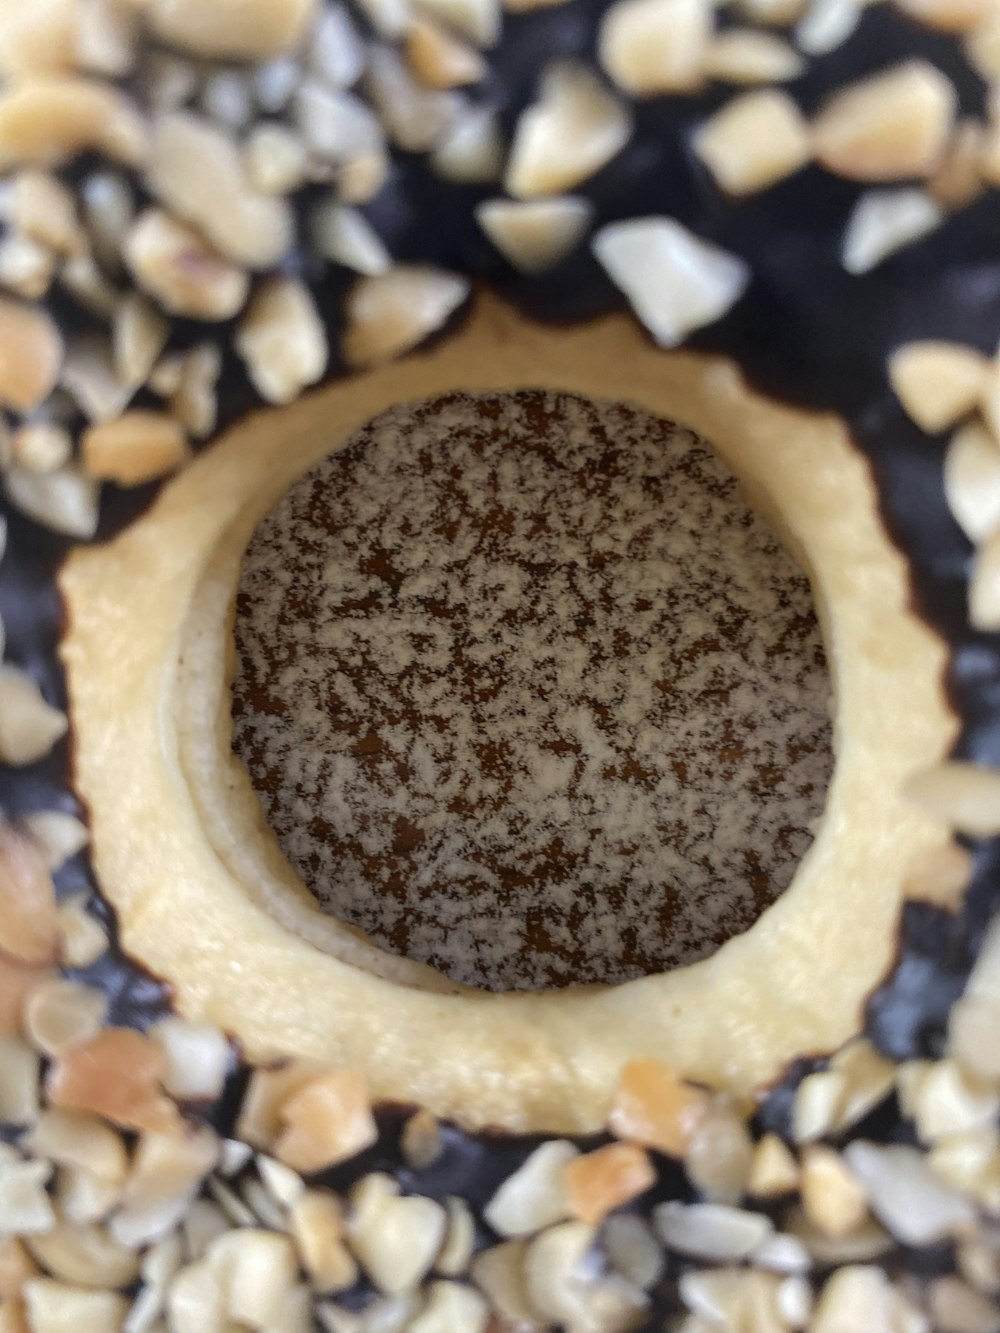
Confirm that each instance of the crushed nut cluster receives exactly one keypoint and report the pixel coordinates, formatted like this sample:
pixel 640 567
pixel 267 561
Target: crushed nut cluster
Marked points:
pixel 129 1203
pixel 221 142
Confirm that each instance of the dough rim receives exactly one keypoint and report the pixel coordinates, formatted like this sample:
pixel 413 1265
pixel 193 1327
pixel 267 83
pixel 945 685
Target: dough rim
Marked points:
pixel 794 984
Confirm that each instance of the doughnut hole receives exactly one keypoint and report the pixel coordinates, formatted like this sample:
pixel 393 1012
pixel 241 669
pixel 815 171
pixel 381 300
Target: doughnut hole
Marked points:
pixel 527 691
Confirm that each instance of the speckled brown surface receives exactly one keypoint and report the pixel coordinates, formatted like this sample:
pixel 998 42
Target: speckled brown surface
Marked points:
pixel 529 694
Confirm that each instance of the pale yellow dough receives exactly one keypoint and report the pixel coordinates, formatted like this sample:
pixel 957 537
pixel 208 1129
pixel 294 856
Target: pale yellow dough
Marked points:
pixel 206 900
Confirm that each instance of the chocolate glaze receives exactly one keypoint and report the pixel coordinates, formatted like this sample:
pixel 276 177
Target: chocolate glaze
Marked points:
pixel 806 332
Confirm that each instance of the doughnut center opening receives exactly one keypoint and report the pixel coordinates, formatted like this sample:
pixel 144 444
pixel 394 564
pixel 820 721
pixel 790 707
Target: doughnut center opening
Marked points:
pixel 529 693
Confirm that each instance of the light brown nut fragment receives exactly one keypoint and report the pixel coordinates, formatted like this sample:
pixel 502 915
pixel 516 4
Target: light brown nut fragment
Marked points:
pixel 194 402
pixel 44 209
pixel 258 1271
pixel 674 281
pixel 603 1180
pixel 958 178
pixel 972 481
pixel 136 447
pixel 29 928
pixel 259 1121
pixel 832 1196
pixel 55 1307
pixel 19 1072
pixel 866 1079
pixel 863 1297
pixel 975 1017
pixel 415 117
pixel 949 15
pixel 633 1250
pixel 984 586
pixel 345 236
pixel 473 150
pixel 460 1239
pixel 178 267
pixel 26 268
pixel 79 1141
pixel 535 1196
pixel 90 377
pixel 655 46
pixel 45 121
pixel 941 876
pixel 60 1014
pixel 576 127
pixel 938 382
pixel 82 938
pixel 720 1155
pixel 326 1121
pixel 85 1255
pixel 711 1231
pixel 118 1075
pixel 317 1226
pixel 17 980
pixel 195 168
pixel 198 1058
pixel 535 234
pixel 29 725
pixel 395 1239
pixel 31 352
pixel 884 221
pixel 138 336
pixel 887 127
pixel 817 1105
pixel 451 1305
pixel 964 795
pixel 16 1267
pixel 236 29
pixel 420 1142
pixel 746 55
pixel 84 1197
pixel 107 37
pixel 438 60
pixel 39 38
pixel 904 1193
pixel 754 141
pixel 982 46
pixel 166 1170
pixel 476 20
pixel 956 1307
pixel 41 446
pixel 499 1273
pixel 390 313
pixel 282 340
pixel 774 1170
pixel 274 159
pixel 652 1106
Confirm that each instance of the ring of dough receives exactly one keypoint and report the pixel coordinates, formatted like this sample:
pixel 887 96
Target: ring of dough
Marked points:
pixel 206 900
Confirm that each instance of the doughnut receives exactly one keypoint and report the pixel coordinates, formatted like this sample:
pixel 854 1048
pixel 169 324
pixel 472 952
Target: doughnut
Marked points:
pixel 237 232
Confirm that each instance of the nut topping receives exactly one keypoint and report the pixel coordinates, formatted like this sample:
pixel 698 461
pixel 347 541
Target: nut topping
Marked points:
pixel 136 447
pixel 239 30
pixel 47 121
pixel 196 170
pixel 282 340
pixel 392 312
pixel 28 923
pixel 573 130
pixel 655 46
pixel 180 269
pixel 326 1121
pixel 755 141
pixel 888 127
pixel 30 355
